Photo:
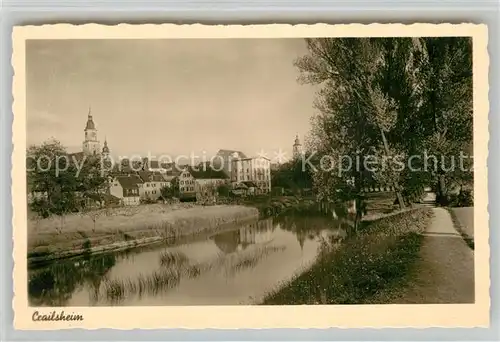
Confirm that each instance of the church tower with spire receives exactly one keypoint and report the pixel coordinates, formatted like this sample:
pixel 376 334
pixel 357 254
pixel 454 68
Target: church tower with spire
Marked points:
pixel 106 160
pixel 105 149
pixel 91 145
pixel 297 147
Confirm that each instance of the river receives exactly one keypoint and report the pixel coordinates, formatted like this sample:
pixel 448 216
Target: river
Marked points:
pixel 237 266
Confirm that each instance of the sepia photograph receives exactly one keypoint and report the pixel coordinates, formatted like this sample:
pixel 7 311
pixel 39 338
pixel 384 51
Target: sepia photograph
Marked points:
pixel 257 171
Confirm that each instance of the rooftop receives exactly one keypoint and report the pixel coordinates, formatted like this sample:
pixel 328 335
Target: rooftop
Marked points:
pixel 129 182
pixel 226 154
pixel 147 176
pixel 208 173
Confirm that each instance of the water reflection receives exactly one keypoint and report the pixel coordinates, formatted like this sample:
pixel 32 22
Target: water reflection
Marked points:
pixel 227 268
pixel 330 232
pixel 54 285
pixel 260 232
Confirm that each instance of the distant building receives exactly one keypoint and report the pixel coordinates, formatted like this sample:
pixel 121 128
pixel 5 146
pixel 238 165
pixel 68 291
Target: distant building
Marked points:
pixel 207 180
pixel 152 183
pixel 126 188
pixel 256 170
pixel 224 159
pixel 208 176
pixel 186 185
pixel 107 161
pixel 91 145
pixel 297 147
pixel 105 149
pixel 171 173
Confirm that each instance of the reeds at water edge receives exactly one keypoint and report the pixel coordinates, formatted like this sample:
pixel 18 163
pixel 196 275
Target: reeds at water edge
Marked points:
pixel 175 265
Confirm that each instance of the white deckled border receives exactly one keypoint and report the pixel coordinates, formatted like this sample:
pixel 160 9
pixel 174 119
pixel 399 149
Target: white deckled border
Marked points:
pixel 234 317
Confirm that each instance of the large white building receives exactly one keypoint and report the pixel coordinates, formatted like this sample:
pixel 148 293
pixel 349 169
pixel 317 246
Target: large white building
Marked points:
pixel 256 170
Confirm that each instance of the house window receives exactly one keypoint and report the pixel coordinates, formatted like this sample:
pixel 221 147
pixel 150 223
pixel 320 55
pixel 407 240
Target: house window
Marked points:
pixel 147 185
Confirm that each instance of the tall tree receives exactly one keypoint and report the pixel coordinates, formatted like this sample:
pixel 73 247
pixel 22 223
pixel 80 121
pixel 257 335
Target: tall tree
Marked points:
pixel 447 103
pixel 387 98
pixel 61 180
pixel 49 173
pixel 355 111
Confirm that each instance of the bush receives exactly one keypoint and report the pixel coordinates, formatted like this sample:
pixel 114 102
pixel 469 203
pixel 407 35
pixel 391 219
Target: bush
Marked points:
pixel 168 192
pixel 223 190
pixel 148 200
pixel 464 199
pixel 41 207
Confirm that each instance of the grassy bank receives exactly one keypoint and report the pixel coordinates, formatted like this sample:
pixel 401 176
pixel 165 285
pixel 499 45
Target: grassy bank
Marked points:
pixel 122 228
pixel 469 240
pixel 373 263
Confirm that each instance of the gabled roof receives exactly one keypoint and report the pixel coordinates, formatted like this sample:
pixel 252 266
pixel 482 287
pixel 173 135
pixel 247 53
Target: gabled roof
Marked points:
pixel 158 178
pixel 145 175
pixel 228 154
pixel 148 176
pixel 110 198
pixel 207 173
pixel 129 182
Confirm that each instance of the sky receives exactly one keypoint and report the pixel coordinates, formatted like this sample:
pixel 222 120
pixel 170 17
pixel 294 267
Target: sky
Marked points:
pixel 176 96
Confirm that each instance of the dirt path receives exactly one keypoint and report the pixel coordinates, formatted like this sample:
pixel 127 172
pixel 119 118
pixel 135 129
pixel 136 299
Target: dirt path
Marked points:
pixel 445 271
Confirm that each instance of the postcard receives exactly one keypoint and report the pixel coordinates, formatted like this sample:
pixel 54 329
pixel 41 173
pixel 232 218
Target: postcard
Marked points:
pixel 260 176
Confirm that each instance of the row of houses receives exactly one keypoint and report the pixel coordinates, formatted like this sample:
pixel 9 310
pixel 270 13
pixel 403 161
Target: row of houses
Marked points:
pixel 232 168
pixel 130 183
pixel 133 187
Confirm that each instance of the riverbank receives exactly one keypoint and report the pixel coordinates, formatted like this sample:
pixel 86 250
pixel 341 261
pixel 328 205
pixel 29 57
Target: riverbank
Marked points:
pixel 122 228
pixel 444 271
pixel 374 262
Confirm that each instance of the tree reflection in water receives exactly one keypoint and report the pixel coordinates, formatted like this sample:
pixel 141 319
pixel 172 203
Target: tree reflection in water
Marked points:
pixel 227 242
pixel 320 228
pixel 54 285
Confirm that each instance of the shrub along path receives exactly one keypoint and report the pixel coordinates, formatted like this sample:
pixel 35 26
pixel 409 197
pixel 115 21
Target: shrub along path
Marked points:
pixel 445 270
